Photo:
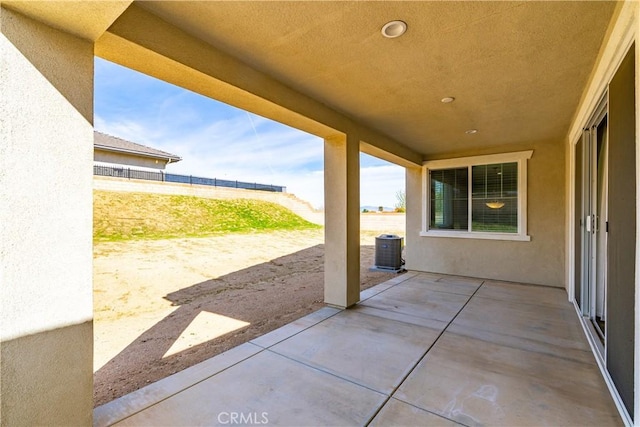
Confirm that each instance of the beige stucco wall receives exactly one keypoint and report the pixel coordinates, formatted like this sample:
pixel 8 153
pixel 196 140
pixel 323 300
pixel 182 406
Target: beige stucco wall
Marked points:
pixel 46 309
pixel 540 261
pixel 128 159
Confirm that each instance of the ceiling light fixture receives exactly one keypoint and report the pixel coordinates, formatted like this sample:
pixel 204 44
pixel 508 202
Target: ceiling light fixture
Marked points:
pixel 447 100
pixel 494 205
pixel 471 131
pixel 394 29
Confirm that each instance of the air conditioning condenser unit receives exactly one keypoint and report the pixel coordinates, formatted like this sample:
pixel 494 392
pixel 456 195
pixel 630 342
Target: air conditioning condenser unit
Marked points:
pixel 389 252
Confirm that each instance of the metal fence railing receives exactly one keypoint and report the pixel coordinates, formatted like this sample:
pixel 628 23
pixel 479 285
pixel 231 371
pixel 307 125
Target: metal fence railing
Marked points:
pixel 129 173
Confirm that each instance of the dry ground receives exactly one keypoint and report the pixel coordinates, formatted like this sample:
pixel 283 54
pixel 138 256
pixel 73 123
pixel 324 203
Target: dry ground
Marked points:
pixel 164 305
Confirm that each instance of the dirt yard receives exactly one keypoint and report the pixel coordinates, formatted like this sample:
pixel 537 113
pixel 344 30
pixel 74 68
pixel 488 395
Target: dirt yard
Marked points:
pixel 162 306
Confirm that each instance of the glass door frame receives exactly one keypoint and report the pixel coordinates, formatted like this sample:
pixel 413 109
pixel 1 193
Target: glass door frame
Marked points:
pixel 593 255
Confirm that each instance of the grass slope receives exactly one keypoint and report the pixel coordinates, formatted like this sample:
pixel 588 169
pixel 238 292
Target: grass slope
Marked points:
pixel 126 216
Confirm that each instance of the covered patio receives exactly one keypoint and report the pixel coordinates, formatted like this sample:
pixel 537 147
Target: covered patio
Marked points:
pixel 420 349
pixel 517 125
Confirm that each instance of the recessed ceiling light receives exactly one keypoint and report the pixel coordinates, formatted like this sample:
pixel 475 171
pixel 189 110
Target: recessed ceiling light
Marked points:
pixel 447 100
pixel 471 131
pixel 394 29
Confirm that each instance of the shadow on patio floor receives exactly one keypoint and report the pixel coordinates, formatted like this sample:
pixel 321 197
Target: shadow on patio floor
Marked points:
pixel 420 349
pixel 238 307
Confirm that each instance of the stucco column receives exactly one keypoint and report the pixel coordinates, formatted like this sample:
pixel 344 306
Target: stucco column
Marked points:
pixel 46 146
pixel 413 190
pixel 342 220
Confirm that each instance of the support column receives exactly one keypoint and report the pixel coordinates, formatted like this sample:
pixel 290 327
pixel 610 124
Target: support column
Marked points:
pixel 414 214
pixel 46 152
pixel 342 220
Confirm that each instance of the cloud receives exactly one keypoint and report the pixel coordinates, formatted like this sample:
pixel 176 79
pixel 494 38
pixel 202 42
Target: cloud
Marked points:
pixel 219 141
pixel 379 185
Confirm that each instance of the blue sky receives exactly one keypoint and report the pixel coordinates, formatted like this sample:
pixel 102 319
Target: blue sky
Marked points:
pixel 216 140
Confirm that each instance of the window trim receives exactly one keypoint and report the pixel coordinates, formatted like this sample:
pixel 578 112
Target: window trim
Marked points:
pixel 520 157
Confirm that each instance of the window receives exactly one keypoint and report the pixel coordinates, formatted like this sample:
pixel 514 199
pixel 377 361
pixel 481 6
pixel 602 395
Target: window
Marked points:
pixel 450 199
pixel 477 197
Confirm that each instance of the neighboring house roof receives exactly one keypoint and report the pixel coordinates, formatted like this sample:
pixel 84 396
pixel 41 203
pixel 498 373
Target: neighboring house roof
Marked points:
pixel 105 142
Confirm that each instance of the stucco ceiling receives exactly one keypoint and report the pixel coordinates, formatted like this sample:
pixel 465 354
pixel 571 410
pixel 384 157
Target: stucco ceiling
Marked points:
pixel 516 69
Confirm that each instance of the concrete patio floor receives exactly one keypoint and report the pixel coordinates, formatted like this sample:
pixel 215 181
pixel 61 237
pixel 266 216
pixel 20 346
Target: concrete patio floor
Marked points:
pixel 420 349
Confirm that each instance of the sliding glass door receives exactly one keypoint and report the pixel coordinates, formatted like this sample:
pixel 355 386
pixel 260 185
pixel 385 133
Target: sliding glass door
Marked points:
pixel 592 212
pixel 605 229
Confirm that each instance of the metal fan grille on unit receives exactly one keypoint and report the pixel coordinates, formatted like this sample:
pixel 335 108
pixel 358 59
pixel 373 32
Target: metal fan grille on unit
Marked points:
pixel 389 252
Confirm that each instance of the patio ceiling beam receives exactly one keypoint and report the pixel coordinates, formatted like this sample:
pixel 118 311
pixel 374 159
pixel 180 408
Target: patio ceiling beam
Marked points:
pixel 144 42
pixel 87 20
